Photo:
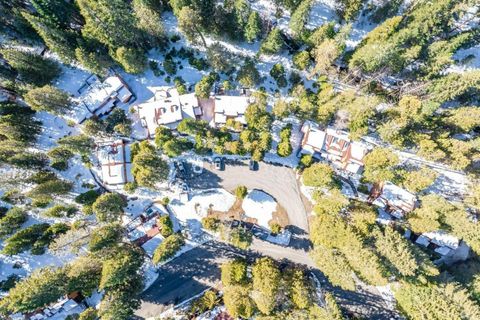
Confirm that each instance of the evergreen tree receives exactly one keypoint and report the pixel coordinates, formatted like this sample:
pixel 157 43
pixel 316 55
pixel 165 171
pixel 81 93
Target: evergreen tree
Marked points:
pixel 335 267
pixel 105 236
pixel 238 302
pixel 11 221
pixel 109 207
pixel 42 287
pixel 273 43
pixel 189 21
pixel 266 282
pixel 149 21
pixel 248 75
pixel 300 290
pixel 204 86
pixel 62 14
pixel 133 60
pixel 17 123
pixel 320 175
pixel 148 168
pixel 48 98
pixel 111 22
pixel 61 42
pixel 299 17
pixel 234 273
pixel 253 28
pixel 32 68
pixel 93 56
pixel 378 165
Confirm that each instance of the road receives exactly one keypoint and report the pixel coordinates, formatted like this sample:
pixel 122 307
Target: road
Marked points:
pixel 199 269
pixel 278 181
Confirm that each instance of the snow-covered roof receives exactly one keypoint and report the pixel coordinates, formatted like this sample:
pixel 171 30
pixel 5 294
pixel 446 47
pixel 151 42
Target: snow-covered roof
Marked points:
pixel 442 239
pixel 114 162
pixel 97 97
pixel 167 109
pixel 398 197
pixel 231 107
pixel 333 145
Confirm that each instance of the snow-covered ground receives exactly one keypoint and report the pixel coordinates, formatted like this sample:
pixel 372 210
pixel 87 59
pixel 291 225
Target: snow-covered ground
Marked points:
pixel 190 213
pixel 295 140
pixel 259 205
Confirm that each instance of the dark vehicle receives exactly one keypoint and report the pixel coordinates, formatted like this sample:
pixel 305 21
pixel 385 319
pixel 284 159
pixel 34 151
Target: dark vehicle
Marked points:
pixel 253 165
pixel 218 162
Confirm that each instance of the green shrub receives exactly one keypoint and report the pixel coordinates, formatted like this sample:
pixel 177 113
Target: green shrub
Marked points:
pixel 60 211
pixel 168 248
pixel 210 223
pixel 241 238
pixel 306 160
pixel 12 220
pixel 275 228
pixel 165 226
pixel 241 192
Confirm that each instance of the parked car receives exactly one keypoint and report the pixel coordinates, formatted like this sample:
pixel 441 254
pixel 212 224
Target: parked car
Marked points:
pixel 218 162
pixel 253 165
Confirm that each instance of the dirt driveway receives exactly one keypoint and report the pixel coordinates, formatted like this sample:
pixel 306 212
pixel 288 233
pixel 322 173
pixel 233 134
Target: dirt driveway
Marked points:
pixel 278 181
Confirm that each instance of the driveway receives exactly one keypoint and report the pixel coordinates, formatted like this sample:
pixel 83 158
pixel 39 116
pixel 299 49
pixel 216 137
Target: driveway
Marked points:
pixel 199 269
pixel 278 181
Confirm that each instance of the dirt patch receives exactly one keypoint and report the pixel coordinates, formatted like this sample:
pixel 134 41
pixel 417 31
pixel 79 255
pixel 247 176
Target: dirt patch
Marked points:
pixel 280 216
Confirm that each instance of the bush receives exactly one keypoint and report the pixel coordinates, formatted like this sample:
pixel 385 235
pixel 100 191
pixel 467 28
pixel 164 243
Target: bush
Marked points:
pixel 8 284
pixel 210 223
pixel 12 220
pixel 241 192
pixel 168 248
pixel 306 160
pixel 284 148
pixel 130 187
pixel 61 211
pixel 241 238
pixel 170 66
pixel 105 236
pixel 165 226
pixel 275 228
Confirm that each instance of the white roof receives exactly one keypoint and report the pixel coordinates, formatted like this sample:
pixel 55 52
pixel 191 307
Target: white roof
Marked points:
pixel 231 106
pixel 114 160
pixel 422 240
pixel 442 239
pixel 167 110
pixel 358 151
pixel 316 138
pixel 99 92
pixel 397 196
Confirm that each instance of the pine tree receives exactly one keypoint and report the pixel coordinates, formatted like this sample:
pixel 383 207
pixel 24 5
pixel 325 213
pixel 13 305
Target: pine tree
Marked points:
pixel 248 75
pixel 48 98
pixel 94 57
pixel 109 207
pixel 189 21
pixel 17 123
pixel 238 302
pixel 273 43
pixel 266 282
pixel 253 28
pixel 32 68
pixel 335 267
pixel 300 290
pixel 61 42
pixel 379 164
pixel 149 22
pixel 132 60
pixel 300 17
pixel 62 14
pixel 41 288
pixel 109 21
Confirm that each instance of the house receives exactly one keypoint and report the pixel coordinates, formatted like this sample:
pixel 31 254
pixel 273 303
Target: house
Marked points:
pixel 97 97
pixel 230 107
pixel 448 247
pixel 167 108
pixel 114 164
pixel 393 199
pixel 334 146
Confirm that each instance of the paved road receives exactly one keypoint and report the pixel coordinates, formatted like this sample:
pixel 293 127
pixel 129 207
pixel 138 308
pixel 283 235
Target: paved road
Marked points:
pixel 278 181
pixel 199 269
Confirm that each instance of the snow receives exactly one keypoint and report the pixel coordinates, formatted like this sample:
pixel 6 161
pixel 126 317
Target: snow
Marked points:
pixel 191 212
pixel 295 140
pixel 152 244
pixel 322 11
pixel 259 205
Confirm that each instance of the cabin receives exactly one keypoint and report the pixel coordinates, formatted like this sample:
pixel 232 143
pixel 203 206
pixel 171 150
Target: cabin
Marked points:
pixel 449 248
pixel 114 163
pixel 230 108
pixel 394 200
pixel 167 108
pixel 98 97
pixel 334 146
